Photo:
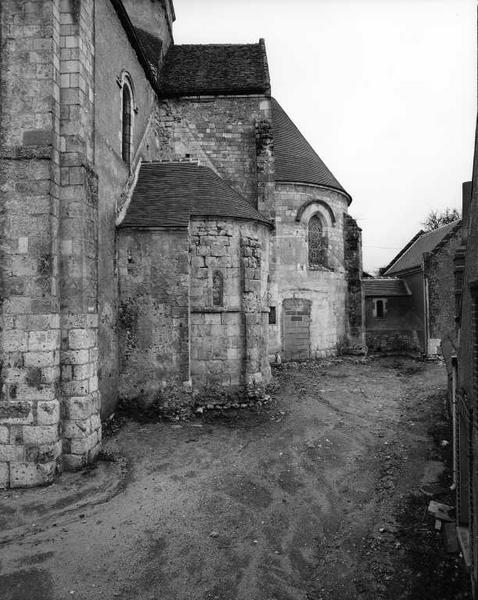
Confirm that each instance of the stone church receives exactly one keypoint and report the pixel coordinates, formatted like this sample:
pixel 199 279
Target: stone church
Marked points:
pixel 163 223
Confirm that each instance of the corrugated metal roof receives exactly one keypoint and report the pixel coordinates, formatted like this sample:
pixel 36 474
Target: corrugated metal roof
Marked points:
pixel 168 194
pixel 209 69
pixel 413 256
pixel 385 287
pixel 295 159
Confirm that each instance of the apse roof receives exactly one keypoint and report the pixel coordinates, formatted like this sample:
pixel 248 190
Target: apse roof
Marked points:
pixel 210 69
pixel 168 194
pixel 295 159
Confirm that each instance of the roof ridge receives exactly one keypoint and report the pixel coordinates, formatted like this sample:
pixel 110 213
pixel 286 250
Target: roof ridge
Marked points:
pixel 441 227
pixel 220 44
pixel 403 251
pixel 446 237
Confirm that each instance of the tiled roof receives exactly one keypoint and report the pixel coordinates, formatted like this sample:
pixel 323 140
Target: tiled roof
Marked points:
pixel 295 159
pixel 385 287
pixel 424 242
pixel 152 47
pixel 168 194
pixel 209 69
pixel 137 41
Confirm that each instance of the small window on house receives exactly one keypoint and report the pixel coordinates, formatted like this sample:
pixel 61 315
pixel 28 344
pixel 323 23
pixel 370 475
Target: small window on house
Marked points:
pixel 317 242
pixel 127 122
pixel 272 315
pixel 217 289
pixel 379 308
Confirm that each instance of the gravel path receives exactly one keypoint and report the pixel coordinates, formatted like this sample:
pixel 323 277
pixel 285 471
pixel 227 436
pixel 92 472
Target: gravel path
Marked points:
pixel 316 497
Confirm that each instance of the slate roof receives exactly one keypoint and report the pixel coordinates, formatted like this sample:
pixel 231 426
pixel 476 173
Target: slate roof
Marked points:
pixel 209 69
pixel 152 48
pixel 412 255
pixel 295 159
pixel 168 194
pixel 385 287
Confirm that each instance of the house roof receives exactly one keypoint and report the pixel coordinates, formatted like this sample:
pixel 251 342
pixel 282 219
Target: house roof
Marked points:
pixel 386 286
pixel 215 69
pixel 168 194
pixel 412 255
pixel 295 159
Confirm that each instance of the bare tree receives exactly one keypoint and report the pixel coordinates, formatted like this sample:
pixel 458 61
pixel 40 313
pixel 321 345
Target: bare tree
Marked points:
pixel 437 218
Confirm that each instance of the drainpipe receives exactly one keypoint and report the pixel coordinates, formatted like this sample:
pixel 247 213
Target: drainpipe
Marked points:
pixel 454 369
pixel 426 325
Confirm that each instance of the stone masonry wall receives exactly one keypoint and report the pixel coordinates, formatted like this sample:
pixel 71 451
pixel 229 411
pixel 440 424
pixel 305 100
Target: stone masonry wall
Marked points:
pixel 113 56
pixel 325 287
pixel 220 133
pixel 439 270
pixel 395 331
pixel 355 300
pixel 229 337
pixel 153 321
pixel 30 444
pixel 78 237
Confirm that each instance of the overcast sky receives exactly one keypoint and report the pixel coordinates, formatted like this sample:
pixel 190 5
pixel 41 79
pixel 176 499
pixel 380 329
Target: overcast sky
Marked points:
pixel 384 90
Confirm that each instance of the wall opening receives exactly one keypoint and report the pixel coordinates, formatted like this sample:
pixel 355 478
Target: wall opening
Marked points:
pixel 296 328
pixel 217 289
pixel 127 123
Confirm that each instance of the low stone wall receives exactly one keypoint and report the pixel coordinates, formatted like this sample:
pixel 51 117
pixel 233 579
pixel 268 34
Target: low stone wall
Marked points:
pixel 392 341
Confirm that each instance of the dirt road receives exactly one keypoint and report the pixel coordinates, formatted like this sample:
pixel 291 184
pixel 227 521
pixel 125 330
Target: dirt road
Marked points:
pixel 316 497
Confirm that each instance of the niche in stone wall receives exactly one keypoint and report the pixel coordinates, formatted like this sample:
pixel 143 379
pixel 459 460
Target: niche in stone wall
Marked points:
pixel 217 288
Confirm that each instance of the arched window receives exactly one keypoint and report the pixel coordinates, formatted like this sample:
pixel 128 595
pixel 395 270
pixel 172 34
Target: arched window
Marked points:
pixel 317 241
pixel 379 308
pixel 217 288
pixel 127 122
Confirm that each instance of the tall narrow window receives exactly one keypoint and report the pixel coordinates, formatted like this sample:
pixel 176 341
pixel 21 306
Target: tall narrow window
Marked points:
pixel 380 308
pixel 317 242
pixel 127 124
pixel 217 288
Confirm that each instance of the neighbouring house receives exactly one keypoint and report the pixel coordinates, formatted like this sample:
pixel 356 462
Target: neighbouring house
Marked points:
pixel 165 225
pixel 390 321
pixel 426 265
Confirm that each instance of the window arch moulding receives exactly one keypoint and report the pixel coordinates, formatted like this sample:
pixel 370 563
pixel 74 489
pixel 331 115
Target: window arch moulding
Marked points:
pixel 313 206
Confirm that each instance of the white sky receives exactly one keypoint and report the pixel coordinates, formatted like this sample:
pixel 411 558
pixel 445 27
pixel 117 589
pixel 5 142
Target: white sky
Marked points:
pixel 384 90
